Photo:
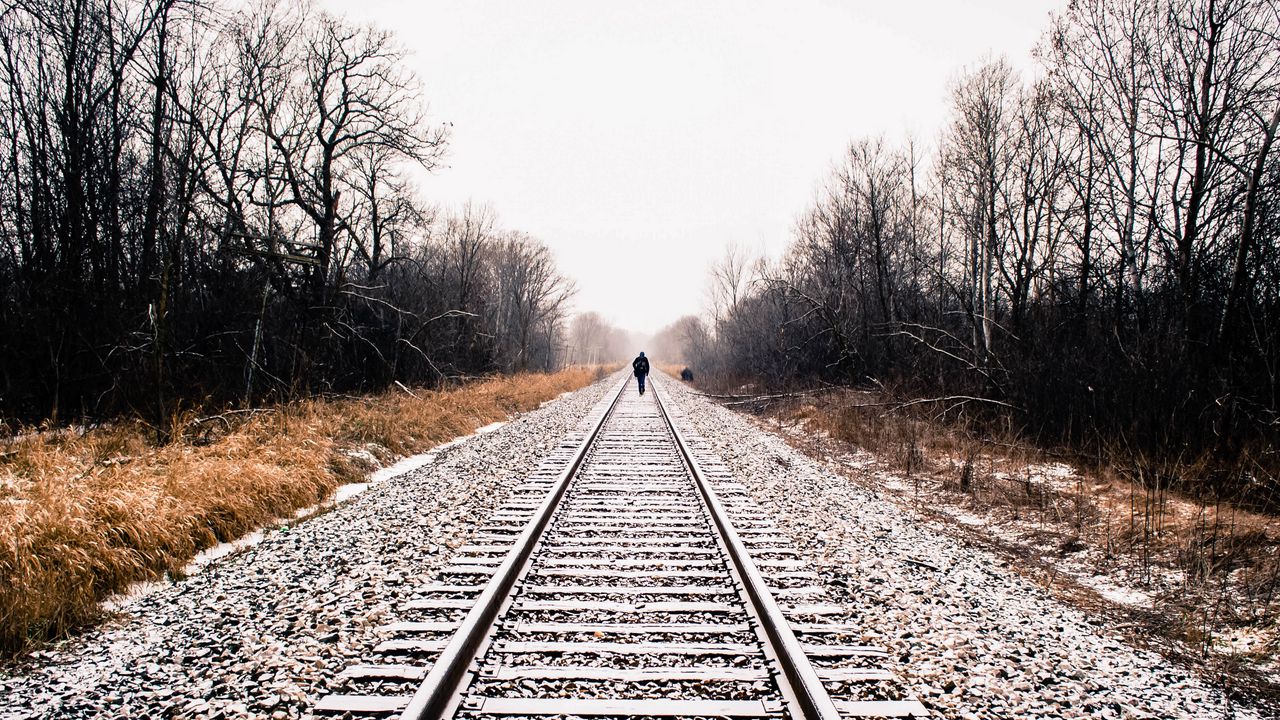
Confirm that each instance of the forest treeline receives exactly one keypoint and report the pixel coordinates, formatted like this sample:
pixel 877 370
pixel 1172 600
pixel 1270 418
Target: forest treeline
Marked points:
pixel 203 202
pixel 1091 255
pixel 594 340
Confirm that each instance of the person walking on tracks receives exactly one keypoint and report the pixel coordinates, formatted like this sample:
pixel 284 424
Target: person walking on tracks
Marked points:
pixel 640 367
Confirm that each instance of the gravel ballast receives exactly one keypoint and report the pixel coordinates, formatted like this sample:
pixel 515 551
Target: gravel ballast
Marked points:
pixel 975 638
pixel 264 632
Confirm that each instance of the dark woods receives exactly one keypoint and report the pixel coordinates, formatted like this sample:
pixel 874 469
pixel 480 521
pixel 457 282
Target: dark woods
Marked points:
pixel 200 204
pixel 1092 256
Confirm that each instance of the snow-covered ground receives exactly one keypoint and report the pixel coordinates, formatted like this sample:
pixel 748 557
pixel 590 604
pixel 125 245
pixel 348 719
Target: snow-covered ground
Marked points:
pixel 976 637
pixel 1085 565
pixel 263 632
pixel 344 493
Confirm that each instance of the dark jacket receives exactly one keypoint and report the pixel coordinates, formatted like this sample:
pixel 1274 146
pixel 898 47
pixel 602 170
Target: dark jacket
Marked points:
pixel 640 366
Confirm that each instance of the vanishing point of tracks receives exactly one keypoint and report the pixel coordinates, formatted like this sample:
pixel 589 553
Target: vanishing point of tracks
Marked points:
pixel 624 579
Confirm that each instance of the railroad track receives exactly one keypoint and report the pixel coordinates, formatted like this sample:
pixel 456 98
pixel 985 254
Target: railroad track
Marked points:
pixel 625 578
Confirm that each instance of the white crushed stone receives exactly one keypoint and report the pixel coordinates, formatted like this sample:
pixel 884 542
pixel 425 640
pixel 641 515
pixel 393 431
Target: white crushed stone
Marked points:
pixel 975 638
pixel 263 633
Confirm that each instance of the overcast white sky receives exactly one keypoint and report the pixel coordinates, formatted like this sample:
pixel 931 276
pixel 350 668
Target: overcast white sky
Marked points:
pixel 638 139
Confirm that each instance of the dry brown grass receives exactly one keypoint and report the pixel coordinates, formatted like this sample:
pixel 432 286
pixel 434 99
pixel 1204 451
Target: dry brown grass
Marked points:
pixel 672 369
pixel 1213 567
pixel 84 515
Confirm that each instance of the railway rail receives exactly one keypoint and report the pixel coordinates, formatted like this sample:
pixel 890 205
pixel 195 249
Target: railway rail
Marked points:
pixel 629 576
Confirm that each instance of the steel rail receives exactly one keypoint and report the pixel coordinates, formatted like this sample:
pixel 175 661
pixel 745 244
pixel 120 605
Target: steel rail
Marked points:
pixel 439 693
pixel 805 688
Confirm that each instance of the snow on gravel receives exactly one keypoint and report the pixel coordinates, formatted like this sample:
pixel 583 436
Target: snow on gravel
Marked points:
pixel 975 639
pixel 264 632
pixel 1128 584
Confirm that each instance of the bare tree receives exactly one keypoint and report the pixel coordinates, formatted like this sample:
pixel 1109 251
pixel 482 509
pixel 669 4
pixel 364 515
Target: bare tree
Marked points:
pixel 729 278
pixel 588 338
pixel 1102 253
pixel 219 194
pixel 980 154
pixel 533 298
pixel 355 97
pixel 1100 55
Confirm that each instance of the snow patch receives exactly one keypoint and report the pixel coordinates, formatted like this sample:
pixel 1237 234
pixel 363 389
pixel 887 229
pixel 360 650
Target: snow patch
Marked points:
pixel 343 493
pixel 221 550
pixel 1118 594
pixel 545 403
pixel 967 519
pixel 404 465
